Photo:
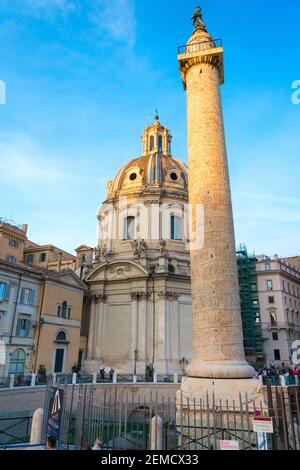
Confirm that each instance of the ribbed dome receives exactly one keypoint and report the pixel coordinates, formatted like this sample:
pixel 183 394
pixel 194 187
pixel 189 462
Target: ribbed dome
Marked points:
pixel 151 170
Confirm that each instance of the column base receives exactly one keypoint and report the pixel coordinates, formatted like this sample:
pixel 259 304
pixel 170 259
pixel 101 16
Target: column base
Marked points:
pixel 239 391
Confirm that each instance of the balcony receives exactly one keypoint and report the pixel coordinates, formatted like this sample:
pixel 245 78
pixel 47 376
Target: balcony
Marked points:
pixel 278 326
pixel 200 46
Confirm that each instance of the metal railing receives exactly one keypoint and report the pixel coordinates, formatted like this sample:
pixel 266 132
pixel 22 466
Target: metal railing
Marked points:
pixel 199 46
pixel 33 380
pixel 15 430
pixel 126 421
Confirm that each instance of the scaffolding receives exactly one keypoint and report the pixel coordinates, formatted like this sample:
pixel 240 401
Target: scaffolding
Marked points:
pixel 252 330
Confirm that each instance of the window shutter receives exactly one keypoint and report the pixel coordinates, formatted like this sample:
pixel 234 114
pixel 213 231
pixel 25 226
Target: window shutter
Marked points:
pixel 18 326
pixel 32 295
pixel 22 295
pixel 7 292
pixel 27 329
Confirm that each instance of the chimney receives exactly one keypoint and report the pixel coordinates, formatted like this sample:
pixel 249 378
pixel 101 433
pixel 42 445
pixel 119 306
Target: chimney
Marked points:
pixel 59 261
pixel 24 228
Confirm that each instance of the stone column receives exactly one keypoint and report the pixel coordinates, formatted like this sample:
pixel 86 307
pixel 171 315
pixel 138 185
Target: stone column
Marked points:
pixel 134 322
pixel 142 326
pixel 98 346
pixel 218 351
pixel 90 351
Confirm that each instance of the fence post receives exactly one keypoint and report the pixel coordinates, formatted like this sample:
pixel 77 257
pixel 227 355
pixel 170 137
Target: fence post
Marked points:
pixel 37 427
pixel 175 378
pixel 54 377
pixel 94 378
pixel 115 378
pixel 74 378
pixel 32 380
pixel 156 441
pixel 297 380
pixel 154 377
pixel 12 381
pixel 134 379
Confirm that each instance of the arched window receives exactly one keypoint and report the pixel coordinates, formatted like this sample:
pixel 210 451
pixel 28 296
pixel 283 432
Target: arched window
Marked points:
pixel 64 309
pixel 151 143
pixel 160 143
pixel 176 227
pixel 17 362
pixel 61 336
pixel 129 228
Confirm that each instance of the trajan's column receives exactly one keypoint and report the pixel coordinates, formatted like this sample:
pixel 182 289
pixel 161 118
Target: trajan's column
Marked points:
pixel 218 362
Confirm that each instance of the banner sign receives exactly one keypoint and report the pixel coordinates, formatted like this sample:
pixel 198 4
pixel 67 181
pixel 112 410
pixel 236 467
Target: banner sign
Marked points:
pixel 55 413
pixel 229 445
pixel 263 425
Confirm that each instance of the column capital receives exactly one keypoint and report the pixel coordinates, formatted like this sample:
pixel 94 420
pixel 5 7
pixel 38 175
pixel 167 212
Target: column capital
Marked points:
pixel 141 295
pixel 99 298
pixel 168 295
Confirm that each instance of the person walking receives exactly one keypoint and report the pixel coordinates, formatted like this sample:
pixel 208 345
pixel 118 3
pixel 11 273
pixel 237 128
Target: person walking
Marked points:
pixel 51 443
pixel 111 374
pixel 97 444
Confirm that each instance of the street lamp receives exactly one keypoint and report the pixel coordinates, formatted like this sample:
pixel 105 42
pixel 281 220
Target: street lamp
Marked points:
pixel 135 352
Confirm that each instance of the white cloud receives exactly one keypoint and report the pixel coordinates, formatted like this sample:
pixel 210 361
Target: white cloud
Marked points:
pixel 22 161
pixel 109 19
pixel 115 19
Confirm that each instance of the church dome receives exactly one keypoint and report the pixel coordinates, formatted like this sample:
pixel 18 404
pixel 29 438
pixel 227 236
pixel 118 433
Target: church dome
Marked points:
pixel 154 169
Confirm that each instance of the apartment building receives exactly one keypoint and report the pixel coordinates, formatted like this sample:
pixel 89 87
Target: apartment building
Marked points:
pixel 278 297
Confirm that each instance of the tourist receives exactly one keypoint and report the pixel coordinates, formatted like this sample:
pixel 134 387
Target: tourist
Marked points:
pixel 111 374
pixel 86 447
pixel 97 444
pixel 51 443
pixel 102 373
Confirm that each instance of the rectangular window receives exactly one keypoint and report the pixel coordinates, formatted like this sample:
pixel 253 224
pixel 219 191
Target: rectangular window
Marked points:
pixel 176 227
pixel 69 312
pixel 43 257
pixel 270 285
pixel 253 287
pixel 267 267
pixel 271 300
pixel 277 354
pixel 23 327
pixel 257 318
pixel 4 291
pixel 11 259
pixel 275 336
pixel 129 228
pixel 27 296
pixel 29 259
pixel 273 319
pixel 14 243
pixel 58 311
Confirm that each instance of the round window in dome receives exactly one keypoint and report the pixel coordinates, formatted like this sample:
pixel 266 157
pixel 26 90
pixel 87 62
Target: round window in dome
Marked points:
pixel 133 177
pixel 174 176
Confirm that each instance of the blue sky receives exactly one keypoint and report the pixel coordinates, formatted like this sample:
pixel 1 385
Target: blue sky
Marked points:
pixel 84 76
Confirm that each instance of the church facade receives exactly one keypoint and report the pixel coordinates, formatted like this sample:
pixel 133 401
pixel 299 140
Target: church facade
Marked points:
pixel 139 274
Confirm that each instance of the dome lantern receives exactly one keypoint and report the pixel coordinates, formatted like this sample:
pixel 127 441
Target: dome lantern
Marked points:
pixel 156 139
